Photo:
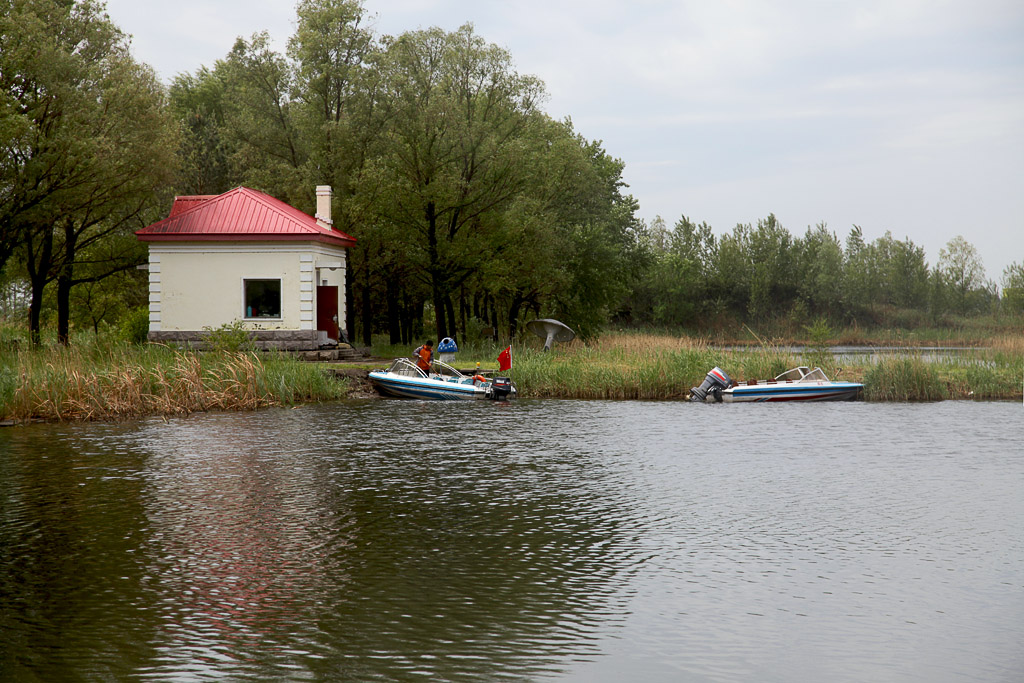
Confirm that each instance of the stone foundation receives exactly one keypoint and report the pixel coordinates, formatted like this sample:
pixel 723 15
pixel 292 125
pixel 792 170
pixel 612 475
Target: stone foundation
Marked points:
pixel 264 340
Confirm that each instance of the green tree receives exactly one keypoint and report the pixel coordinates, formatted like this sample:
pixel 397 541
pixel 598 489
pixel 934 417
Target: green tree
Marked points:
pixel 96 302
pixel 819 270
pixel 755 268
pixel 963 274
pixel 858 278
pixel 886 272
pixel 906 273
pixel 680 277
pixel 260 127
pixel 658 235
pixel 334 106
pixel 525 261
pixel 1013 288
pixel 334 101
pixel 605 254
pixel 542 246
pixel 453 153
pixel 197 102
pixel 96 146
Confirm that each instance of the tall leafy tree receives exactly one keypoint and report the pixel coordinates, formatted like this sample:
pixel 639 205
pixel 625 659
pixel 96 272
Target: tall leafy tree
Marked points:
pixel 904 272
pixel 692 253
pixel 607 256
pixel 267 148
pixel 819 270
pixel 335 111
pixel 452 156
pixel 332 97
pixel 963 273
pixel 93 148
pixel 858 282
pixel 197 101
pixel 1013 288
pixel 754 268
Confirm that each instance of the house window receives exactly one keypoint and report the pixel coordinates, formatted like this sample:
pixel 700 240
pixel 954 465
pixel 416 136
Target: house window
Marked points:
pixel 262 298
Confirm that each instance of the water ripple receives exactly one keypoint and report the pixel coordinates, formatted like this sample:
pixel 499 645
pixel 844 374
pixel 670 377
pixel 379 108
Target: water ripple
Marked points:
pixel 570 540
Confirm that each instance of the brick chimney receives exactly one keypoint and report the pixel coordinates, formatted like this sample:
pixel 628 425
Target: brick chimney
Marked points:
pixel 323 206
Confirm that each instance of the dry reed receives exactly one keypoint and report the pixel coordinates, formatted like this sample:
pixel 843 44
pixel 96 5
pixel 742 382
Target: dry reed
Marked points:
pixel 1010 344
pixel 68 384
pixel 644 344
pixel 623 366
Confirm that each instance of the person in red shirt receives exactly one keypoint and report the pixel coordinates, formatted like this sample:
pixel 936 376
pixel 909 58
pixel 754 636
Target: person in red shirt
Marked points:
pixel 424 356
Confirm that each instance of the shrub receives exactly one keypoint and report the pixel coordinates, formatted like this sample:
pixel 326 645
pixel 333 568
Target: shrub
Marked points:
pixel 134 325
pixel 230 337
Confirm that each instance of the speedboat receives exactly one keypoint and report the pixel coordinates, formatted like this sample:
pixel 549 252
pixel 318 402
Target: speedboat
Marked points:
pixel 405 379
pixel 797 384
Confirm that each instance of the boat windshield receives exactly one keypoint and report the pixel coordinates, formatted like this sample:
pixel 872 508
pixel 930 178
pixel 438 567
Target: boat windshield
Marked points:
pixel 794 375
pixel 802 374
pixel 816 375
pixel 446 371
pixel 406 368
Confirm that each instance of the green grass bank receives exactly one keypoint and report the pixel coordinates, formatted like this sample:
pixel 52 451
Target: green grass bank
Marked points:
pixel 109 380
pixel 628 365
pixel 116 380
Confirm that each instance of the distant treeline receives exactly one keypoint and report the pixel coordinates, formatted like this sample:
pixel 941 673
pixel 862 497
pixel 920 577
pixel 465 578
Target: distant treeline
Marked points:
pixel 472 208
pixel 762 272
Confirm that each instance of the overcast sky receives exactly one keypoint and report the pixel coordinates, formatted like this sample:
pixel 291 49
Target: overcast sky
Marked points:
pixel 898 115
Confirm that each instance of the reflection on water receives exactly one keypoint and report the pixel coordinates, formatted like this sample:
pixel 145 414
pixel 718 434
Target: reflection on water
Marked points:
pixel 240 537
pixel 537 540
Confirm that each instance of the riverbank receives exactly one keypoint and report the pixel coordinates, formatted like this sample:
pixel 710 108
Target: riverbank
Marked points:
pixel 108 381
pixel 113 380
pixel 631 366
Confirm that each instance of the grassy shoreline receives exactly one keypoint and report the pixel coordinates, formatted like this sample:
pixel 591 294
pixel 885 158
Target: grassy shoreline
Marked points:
pixel 116 380
pixel 627 366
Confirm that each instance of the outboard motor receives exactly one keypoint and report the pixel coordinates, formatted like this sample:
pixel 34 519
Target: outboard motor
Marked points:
pixel 501 387
pixel 715 382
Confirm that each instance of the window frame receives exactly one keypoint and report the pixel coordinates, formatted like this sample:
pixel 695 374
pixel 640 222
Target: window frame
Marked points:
pixel 280 298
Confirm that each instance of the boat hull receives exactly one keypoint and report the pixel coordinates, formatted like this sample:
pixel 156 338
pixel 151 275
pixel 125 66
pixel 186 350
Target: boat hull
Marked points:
pixel 795 391
pixel 399 386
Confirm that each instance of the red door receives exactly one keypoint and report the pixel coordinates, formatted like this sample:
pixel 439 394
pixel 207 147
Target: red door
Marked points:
pixel 327 311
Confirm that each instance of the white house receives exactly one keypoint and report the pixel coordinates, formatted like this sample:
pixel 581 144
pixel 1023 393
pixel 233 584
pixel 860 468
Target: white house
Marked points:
pixel 244 255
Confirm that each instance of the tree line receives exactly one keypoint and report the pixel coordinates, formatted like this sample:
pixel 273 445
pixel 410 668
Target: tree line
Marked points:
pixel 762 272
pixel 473 209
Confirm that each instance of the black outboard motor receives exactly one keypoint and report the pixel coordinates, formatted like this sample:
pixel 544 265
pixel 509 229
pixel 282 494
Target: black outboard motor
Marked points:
pixel 501 387
pixel 716 382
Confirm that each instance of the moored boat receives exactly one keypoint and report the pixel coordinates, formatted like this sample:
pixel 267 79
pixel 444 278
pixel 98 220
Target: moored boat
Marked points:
pixel 404 379
pixel 798 384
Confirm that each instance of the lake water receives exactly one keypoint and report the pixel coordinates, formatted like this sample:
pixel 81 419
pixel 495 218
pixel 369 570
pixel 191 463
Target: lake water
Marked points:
pixel 529 541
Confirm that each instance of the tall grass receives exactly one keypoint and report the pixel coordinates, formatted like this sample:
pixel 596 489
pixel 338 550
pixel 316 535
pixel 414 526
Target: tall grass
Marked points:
pixel 112 380
pixel 108 379
pixel 636 366
pixel 987 377
pixel 629 366
pixel 903 379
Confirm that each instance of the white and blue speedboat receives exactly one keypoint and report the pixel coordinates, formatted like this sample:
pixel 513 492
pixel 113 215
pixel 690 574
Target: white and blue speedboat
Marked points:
pixel 404 379
pixel 798 384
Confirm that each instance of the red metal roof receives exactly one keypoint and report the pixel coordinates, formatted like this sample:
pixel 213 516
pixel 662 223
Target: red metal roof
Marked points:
pixel 241 215
pixel 183 204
